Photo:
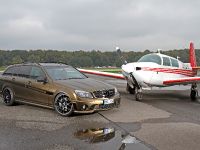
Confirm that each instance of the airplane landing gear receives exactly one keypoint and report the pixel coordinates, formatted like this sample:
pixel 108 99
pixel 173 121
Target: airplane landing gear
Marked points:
pixel 193 92
pixel 138 94
pixel 138 89
pixel 130 89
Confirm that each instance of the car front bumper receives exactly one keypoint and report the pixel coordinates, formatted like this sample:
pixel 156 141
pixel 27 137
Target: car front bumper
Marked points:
pixel 92 105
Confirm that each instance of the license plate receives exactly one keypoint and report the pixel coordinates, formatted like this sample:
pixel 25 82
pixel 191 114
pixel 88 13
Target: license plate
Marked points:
pixel 108 101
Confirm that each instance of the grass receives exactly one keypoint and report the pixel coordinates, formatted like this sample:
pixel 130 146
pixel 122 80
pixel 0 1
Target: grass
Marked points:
pixel 111 70
pixel 2 68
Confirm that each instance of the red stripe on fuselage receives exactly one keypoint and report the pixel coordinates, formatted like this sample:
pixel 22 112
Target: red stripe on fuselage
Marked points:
pixel 189 73
pixel 181 81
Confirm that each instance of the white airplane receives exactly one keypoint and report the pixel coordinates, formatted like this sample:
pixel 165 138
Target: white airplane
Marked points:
pixel 157 70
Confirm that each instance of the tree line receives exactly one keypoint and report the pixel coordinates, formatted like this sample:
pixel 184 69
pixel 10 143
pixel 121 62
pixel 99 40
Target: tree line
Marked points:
pixel 82 58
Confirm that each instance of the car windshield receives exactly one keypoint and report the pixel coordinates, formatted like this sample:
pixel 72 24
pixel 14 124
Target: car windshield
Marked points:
pixel 64 73
pixel 151 58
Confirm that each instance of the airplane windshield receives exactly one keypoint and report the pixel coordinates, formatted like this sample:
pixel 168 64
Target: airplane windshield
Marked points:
pixel 151 58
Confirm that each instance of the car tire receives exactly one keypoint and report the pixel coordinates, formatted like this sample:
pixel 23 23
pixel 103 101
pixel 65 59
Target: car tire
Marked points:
pixel 130 89
pixel 63 105
pixel 8 96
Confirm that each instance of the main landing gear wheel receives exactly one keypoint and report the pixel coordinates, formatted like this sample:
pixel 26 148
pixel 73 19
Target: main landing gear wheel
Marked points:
pixel 193 95
pixel 8 97
pixel 63 105
pixel 130 89
pixel 194 92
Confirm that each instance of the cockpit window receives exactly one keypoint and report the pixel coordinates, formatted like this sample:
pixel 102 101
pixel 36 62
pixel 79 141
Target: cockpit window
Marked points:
pixel 151 58
pixel 166 61
pixel 174 62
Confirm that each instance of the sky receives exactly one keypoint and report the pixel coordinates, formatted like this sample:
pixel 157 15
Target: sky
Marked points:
pixel 99 24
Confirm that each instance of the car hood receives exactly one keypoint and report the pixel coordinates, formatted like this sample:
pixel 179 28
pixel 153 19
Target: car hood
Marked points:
pixel 86 84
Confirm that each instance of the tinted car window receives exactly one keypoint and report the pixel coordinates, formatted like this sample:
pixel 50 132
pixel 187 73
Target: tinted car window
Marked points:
pixel 15 70
pixel 9 71
pixel 25 71
pixel 166 61
pixel 36 72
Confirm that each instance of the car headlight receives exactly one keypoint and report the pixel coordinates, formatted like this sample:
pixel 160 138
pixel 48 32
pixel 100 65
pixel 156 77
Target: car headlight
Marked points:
pixel 83 94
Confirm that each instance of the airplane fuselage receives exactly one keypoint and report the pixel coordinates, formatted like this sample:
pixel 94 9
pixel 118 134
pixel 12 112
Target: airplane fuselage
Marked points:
pixel 152 69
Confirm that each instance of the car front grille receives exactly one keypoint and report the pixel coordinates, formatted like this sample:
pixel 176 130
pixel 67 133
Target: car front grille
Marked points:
pixel 104 93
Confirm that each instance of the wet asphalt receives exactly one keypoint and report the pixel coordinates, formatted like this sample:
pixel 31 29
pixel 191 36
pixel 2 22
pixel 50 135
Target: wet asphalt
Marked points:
pixel 162 120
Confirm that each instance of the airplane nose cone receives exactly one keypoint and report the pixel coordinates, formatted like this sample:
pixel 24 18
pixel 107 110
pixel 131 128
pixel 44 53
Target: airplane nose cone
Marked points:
pixel 128 67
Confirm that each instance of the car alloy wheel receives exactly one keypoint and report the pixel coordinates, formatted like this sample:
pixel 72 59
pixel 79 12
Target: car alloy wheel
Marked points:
pixel 8 98
pixel 63 105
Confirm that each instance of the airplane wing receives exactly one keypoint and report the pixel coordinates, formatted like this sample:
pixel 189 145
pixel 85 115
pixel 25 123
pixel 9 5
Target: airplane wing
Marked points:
pixel 182 81
pixel 112 75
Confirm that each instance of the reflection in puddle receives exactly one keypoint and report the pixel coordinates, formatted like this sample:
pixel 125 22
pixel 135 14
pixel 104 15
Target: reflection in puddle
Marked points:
pixel 95 135
pixel 105 134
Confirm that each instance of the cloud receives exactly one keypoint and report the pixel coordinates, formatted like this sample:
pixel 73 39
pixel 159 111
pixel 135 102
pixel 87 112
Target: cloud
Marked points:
pixel 99 24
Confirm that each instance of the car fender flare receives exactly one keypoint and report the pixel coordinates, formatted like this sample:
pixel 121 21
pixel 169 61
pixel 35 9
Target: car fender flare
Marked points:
pixel 59 92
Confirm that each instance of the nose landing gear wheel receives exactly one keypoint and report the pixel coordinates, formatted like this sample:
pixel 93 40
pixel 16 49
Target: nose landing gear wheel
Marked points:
pixel 130 89
pixel 138 94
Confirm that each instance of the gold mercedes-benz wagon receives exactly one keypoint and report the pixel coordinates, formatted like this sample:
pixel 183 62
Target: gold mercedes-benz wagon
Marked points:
pixel 56 86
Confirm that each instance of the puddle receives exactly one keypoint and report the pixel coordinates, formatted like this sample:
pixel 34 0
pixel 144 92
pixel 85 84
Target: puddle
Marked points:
pixel 109 138
pixel 95 135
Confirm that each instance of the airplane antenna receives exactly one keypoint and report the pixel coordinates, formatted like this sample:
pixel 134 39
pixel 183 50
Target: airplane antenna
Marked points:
pixel 120 55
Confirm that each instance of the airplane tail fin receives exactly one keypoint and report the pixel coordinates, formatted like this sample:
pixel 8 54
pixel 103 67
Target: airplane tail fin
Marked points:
pixel 192 56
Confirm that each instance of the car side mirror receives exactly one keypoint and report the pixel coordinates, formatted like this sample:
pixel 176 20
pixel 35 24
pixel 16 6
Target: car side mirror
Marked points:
pixel 42 79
